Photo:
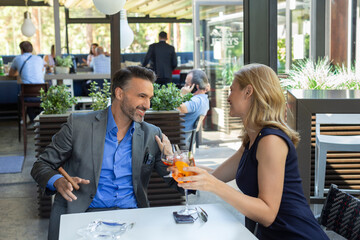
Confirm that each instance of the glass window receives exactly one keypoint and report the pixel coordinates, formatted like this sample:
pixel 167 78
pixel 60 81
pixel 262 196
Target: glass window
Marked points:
pixel 42 17
pixel 294 24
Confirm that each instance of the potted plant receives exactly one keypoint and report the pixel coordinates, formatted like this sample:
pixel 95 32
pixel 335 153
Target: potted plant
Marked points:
pixel 57 100
pixel 163 112
pixel 100 97
pixel 167 97
pixel 63 64
pixel 308 74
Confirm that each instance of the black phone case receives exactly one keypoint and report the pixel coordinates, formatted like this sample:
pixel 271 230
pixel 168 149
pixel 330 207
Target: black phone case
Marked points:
pixel 183 218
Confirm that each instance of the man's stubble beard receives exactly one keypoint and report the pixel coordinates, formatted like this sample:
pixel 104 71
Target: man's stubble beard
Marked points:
pixel 130 112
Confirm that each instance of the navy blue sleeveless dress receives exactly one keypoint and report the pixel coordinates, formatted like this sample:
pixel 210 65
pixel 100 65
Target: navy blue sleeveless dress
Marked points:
pixel 295 219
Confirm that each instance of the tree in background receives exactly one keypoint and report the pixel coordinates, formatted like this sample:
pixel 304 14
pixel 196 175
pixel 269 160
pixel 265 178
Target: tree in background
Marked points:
pixel 81 35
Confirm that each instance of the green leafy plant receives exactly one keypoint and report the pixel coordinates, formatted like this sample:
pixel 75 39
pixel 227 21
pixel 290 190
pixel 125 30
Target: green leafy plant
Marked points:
pixel 100 97
pixel 63 61
pixel 167 97
pixel 57 100
pixel 228 73
pixel 307 74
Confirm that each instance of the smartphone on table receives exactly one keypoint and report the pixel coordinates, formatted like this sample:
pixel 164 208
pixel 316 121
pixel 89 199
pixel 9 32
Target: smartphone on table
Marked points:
pixel 183 218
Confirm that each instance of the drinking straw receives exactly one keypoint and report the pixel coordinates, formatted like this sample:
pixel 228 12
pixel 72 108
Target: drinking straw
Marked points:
pixel 191 141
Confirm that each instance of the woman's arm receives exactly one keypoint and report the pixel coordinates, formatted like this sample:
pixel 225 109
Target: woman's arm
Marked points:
pixel 271 156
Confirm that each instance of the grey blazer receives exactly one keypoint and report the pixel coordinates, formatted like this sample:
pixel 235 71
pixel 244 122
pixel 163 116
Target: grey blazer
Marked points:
pixel 79 148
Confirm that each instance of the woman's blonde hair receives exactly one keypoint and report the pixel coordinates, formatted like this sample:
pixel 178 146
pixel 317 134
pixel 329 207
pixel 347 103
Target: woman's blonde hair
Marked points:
pixel 268 105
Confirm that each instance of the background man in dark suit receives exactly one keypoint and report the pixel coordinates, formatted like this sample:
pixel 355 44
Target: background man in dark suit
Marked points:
pixel 162 59
pixel 111 153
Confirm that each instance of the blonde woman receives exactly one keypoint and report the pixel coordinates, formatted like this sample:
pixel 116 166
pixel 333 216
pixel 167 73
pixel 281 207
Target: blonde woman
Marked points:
pixel 266 166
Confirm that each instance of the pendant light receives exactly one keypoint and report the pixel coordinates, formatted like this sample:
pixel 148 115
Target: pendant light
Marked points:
pixel 109 7
pixel 27 28
pixel 126 34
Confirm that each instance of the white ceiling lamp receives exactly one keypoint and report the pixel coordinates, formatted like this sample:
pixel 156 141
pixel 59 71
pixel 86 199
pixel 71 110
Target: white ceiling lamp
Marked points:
pixel 126 34
pixel 109 7
pixel 27 28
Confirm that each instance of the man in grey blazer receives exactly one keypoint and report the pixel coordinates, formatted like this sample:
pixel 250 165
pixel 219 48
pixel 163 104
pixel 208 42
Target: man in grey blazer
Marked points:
pixel 110 153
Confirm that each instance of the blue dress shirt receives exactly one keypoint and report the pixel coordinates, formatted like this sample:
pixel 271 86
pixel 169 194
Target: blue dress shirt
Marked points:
pixel 115 187
pixel 196 106
pixel 101 64
pixel 33 70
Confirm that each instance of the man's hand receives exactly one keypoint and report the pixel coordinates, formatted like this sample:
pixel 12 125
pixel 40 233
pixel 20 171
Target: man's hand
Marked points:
pixel 164 144
pixel 187 89
pixel 65 188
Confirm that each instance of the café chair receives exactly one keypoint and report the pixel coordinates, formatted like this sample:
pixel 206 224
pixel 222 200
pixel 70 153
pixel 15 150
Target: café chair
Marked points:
pixel 341 213
pixel 325 143
pixel 193 133
pixel 29 97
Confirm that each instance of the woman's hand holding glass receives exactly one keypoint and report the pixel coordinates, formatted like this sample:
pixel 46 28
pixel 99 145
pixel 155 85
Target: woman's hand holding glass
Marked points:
pixel 182 160
pixel 200 179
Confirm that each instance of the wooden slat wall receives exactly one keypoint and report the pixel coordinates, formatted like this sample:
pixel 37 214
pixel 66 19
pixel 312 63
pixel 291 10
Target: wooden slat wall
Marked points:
pixel 159 193
pixel 342 168
pixel 231 123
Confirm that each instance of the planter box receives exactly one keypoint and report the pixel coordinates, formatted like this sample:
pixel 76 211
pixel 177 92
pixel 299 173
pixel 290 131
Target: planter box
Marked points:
pixel 59 70
pixel 169 122
pixel 159 193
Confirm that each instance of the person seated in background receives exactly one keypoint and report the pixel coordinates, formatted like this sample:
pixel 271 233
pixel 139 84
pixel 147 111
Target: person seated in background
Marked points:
pixel 197 82
pixel 49 60
pixel 124 153
pixel 30 69
pixel 100 63
pixel 91 54
pixel 266 165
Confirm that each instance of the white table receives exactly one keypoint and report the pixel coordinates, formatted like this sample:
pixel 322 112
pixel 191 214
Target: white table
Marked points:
pixel 157 223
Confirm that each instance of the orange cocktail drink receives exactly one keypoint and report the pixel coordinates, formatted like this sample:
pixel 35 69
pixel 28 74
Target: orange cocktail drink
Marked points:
pixel 180 162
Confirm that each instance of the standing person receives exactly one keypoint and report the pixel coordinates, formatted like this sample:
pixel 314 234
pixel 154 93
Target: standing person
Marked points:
pixel 266 165
pixel 29 67
pixel 197 81
pixel 49 60
pixel 162 58
pixel 111 153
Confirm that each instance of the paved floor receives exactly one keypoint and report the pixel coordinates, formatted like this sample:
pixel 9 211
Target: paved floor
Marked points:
pixel 18 192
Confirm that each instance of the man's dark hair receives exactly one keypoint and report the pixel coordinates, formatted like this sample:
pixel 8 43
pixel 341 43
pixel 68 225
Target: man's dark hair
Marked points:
pixel 199 78
pixel 123 76
pixel 26 46
pixel 163 35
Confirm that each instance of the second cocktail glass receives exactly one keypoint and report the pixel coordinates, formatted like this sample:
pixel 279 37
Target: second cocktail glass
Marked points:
pixel 181 160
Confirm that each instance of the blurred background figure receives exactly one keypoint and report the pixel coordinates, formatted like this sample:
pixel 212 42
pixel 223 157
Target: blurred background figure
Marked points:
pixel 49 60
pixel 197 82
pixel 100 63
pixel 162 58
pixel 30 68
pixel 91 54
